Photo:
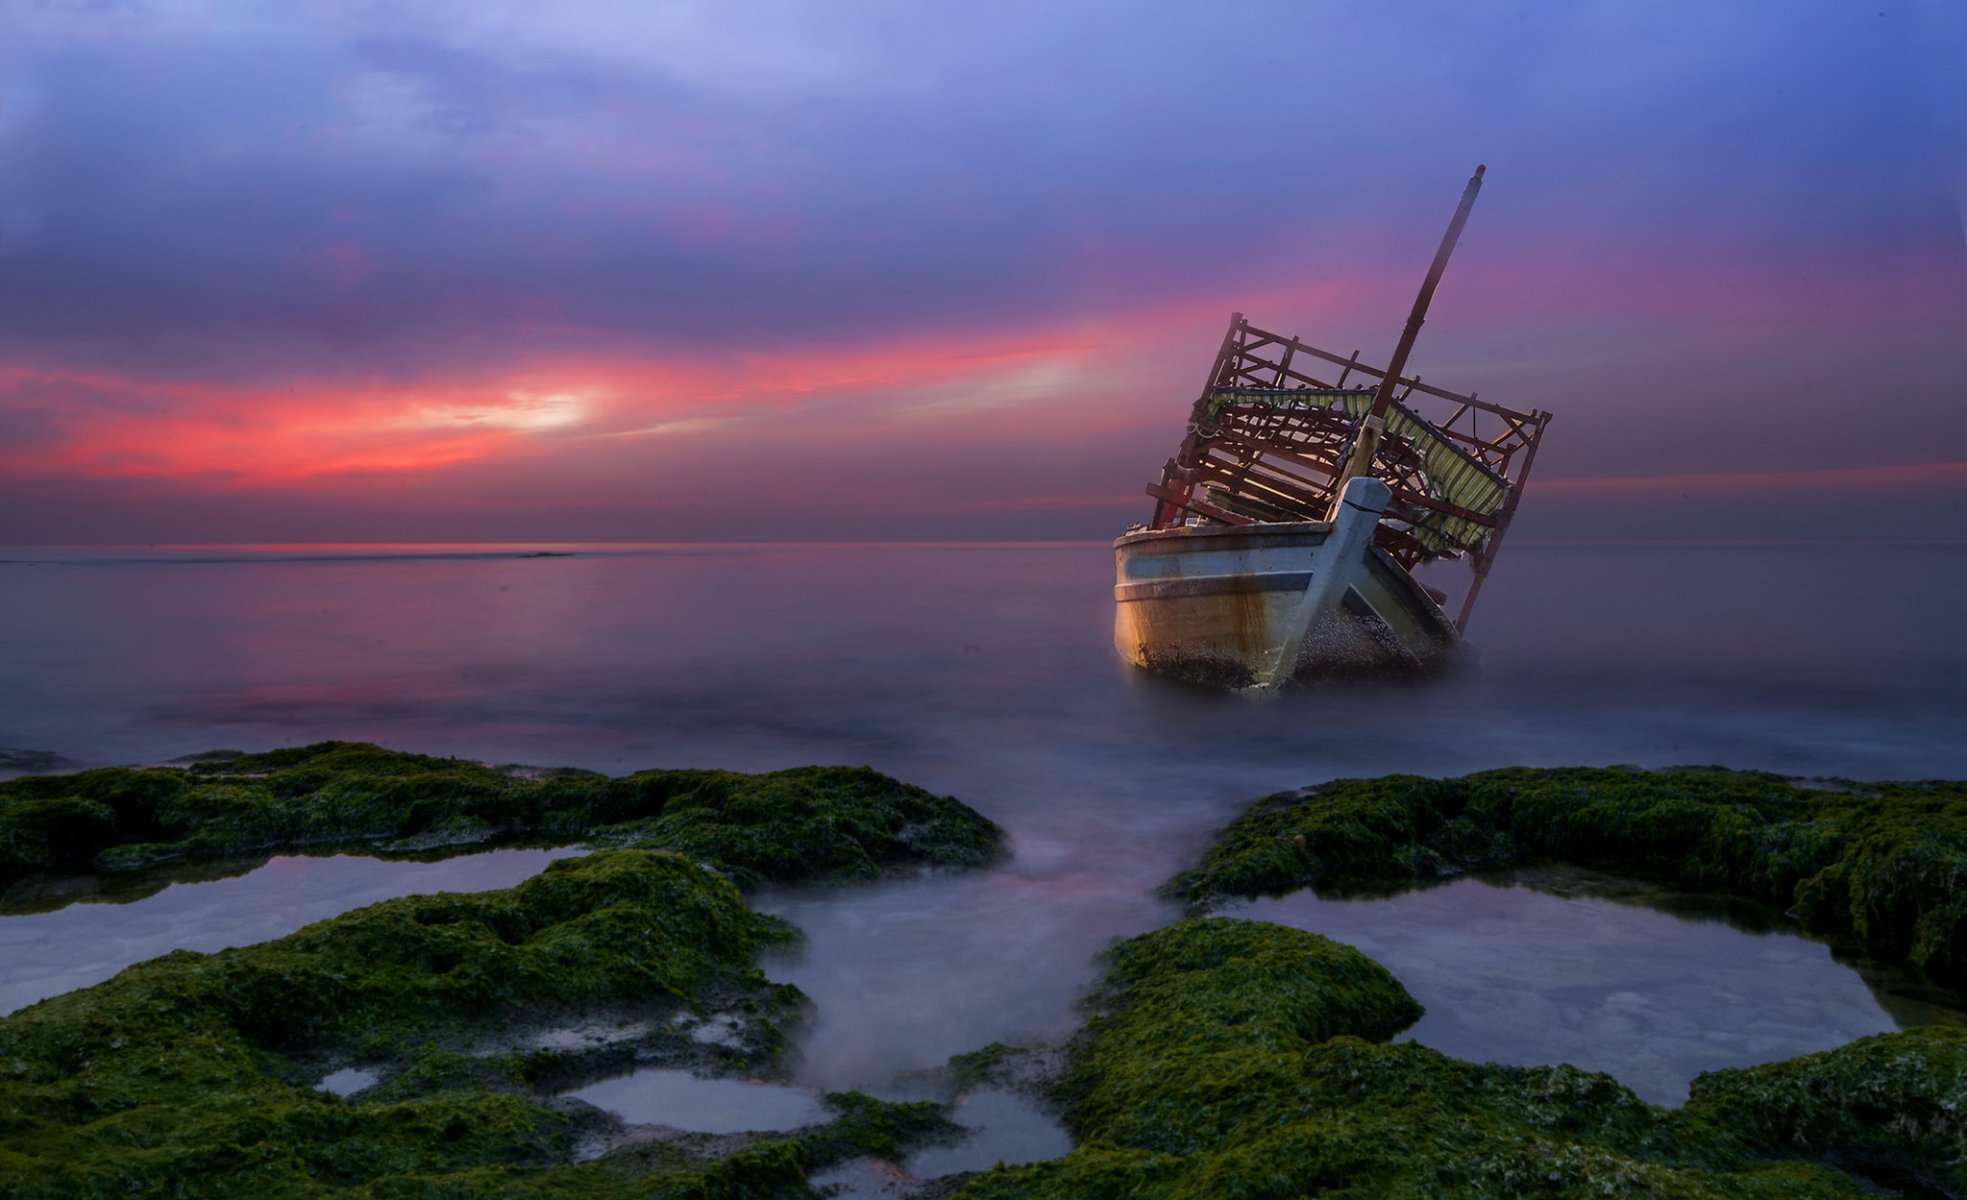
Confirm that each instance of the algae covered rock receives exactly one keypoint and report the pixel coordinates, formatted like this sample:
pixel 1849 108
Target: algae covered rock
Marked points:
pixel 808 822
pixel 827 822
pixel 1884 863
pixel 1240 1058
pixel 179 1075
pixel 1893 1106
pixel 192 1075
pixel 1225 1006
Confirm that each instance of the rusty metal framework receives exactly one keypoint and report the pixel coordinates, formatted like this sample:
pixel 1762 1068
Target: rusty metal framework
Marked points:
pixel 1269 437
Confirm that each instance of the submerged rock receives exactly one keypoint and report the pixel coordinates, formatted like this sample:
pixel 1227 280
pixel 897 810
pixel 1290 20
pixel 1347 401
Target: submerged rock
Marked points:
pixel 14 759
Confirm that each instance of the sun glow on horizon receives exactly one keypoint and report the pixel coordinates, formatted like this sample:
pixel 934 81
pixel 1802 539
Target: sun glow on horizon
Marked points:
pixel 93 423
pixel 523 412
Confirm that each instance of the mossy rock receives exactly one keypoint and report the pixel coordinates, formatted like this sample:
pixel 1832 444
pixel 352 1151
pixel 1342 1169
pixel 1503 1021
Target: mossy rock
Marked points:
pixel 1884 864
pixel 1893 1106
pixel 808 822
pixel 825 822
pixel 1239 1058
pixel 1227 1003
pixel 190 1075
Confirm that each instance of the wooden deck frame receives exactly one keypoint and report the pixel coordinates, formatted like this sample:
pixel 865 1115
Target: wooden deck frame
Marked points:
pixel 1271 462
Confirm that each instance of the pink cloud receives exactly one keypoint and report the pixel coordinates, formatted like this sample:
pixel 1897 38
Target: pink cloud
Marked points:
pixel 111 425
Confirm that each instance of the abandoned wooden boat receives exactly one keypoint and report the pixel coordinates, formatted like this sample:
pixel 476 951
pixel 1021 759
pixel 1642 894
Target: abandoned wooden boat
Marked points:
pixel 1287 528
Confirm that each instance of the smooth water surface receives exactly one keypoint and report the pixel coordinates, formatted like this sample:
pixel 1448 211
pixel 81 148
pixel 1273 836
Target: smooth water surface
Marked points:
pixel 984 672
pixel 1006 1127
pixel 1521 976
pixel 347 1081
pixel 46 953
pixel 681 1100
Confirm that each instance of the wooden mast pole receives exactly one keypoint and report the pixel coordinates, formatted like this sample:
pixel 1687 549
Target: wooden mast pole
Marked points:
pixel 1367 442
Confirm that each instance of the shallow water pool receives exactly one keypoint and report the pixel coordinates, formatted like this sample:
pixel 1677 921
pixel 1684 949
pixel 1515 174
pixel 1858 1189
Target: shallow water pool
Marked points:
pixel 1006 1127
pixel 680 1100
pixel 47 953
pixel 1649 985
pixel 1544 966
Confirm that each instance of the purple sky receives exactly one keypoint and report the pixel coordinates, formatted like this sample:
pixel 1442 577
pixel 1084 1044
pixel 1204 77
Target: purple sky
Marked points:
pixel 512 271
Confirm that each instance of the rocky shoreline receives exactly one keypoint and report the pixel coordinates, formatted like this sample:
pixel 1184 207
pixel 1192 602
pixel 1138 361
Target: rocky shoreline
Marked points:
pixel 1221 1056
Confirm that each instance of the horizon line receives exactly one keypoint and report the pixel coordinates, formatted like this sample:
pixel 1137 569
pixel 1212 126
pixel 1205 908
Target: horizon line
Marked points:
pixel 598 544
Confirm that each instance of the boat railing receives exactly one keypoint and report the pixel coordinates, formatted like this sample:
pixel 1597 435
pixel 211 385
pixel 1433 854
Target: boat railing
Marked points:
pixel 1273 429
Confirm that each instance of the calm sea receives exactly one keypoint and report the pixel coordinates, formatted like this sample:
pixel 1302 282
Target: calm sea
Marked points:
pixel 981 671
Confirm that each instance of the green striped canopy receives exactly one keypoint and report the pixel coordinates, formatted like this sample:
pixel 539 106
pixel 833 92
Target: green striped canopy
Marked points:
pixel 1452 476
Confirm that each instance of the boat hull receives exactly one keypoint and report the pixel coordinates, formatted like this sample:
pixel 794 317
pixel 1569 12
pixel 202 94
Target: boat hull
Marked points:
pixel 1261 605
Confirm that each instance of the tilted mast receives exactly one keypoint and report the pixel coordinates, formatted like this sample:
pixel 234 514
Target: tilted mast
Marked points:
pixel 1373 427
pixel 1277 432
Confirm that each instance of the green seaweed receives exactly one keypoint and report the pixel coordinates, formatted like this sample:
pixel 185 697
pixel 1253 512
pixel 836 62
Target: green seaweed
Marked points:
pixel 831 822
pixel 1239 1058
pixel 975 1068
pixel 1222 1058
pixel 1892 1106
pixel 1884 864
pixel 808 822
pixel 866 1126
pixel 190 1075
pixel 1264 988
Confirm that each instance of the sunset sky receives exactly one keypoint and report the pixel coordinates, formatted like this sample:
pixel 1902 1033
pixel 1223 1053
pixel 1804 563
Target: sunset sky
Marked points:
pixel 747 270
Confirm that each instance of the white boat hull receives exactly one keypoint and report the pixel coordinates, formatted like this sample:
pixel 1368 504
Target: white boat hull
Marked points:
pixel 1259 605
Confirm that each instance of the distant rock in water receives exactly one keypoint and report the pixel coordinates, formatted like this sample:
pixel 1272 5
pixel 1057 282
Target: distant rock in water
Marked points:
pixel 205 756
pixel 14 759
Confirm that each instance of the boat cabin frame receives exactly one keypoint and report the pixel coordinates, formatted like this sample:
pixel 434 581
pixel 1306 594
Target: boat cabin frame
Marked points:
pixel 1269 439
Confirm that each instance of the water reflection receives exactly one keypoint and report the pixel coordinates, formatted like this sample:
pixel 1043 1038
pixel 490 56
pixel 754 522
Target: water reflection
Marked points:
pixel 1909 997
pixel 749 656
pixel 1006 1127
pixel 681 1100
pixel 1551 964
pixel 47 953
pixel 1526 975
pixel 347 1081
pixel 47 892
pixel 984 672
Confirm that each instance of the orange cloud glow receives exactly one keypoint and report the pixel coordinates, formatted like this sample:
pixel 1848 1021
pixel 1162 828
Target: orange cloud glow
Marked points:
pixel 100 424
